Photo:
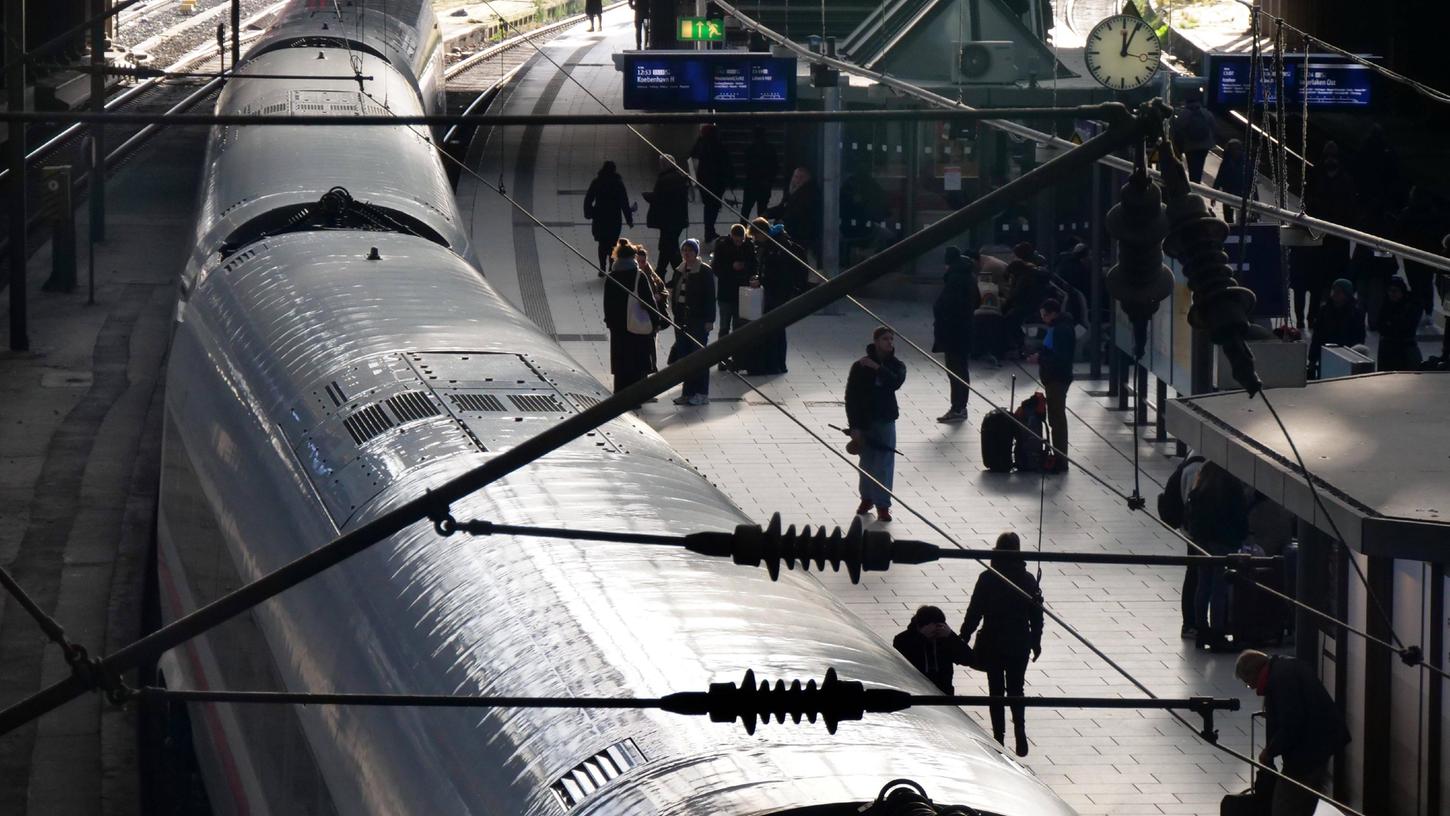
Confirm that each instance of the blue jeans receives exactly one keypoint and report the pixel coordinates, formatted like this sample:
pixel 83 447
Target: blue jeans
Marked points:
pixel 729 315
pixel 1210 599
pixel 878 458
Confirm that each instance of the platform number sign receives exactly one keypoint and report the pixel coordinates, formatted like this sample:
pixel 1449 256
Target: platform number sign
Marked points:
pixel 701 29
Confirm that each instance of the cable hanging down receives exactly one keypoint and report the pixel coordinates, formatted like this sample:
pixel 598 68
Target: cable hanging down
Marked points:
pixel 752 702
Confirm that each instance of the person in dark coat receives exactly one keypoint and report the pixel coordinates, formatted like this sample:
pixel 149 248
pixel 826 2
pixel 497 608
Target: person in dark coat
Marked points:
pixel 733 262
pixel 932 647
pixel 1328 194
pixel 669 210
pixel 606 205
pixel 1340 321
pixel 692 302
pixel 1054 369
pixel 762 165
pixel 715 171
pixel 800 210
pixel 952 328
pixel 631 339
pixel 1193 136
pixel 1231 176
pixel 783 276
pixel 871 413
pixel 1399 324
pixel 1304 727
pixel 1011 631
pixel 1215 518
pixel 1421 226
pixel 594 10
pixel 641 22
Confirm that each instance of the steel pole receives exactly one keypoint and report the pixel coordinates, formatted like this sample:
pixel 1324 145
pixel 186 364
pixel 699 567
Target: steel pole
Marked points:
pixel 15 152
pixel 434 504
pixel 96 171
pixel 1095 284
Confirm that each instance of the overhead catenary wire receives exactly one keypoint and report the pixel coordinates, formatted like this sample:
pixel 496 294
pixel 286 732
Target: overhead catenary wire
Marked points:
pixel 1023 593
pixel 1134 502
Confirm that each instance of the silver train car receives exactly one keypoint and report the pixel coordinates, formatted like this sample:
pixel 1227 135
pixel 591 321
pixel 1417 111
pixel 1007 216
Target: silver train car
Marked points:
pixel 323 371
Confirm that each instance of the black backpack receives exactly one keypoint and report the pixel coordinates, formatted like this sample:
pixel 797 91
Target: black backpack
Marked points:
pixel 1170 501
pixel 1030 450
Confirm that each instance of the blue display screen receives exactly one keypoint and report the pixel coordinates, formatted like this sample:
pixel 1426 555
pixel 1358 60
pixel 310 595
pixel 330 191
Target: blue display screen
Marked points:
pixel 696 80
pixel 1333 81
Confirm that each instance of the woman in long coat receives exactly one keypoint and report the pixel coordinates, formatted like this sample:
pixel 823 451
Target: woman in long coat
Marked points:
pixel 632 340
pixel 606 205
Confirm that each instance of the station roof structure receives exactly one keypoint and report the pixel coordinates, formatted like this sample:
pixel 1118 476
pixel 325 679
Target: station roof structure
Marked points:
pixel 1377 446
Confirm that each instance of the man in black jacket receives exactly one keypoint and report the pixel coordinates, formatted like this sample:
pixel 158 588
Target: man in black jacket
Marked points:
pixel 932 647
pixel 952 328
pixel 669 210
pixel 871 419
pixel 1054 368
pixel 1304 726
pixel 715 170
pixel 761 167
pixel 733 262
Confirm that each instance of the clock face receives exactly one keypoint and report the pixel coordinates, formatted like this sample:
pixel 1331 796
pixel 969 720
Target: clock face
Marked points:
pixel 1123 53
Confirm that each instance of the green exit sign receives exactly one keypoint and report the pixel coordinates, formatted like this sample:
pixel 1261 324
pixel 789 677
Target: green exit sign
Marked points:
pixel 701 29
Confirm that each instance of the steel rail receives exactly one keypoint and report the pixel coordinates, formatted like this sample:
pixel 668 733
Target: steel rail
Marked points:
pixel 435 504
pixel 513 42
pixel 1409 253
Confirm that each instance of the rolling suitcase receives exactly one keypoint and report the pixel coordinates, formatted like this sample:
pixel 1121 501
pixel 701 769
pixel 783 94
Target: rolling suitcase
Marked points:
pixel 998 434
pixel 1259 798
pixel 1257 618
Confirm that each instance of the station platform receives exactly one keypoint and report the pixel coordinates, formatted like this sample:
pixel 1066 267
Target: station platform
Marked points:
pixel 1120 762
pixel 80 447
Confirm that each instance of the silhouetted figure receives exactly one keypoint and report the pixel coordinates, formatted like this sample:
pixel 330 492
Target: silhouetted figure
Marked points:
pixel 800 210
pixel 641 22
pixel 952 314
pixel 1329 195
pixel 733 262
pixel 631 297
pixel 1055 370
pixel 606 205
pixel 1215 518
pixel 1399 326
pixel 1340 321
pixel 715 171
pixel 871 413
pixel 692 301
pixel 669 210
pixel 932 647
pixel 1192 136
pixel 1303 727
pixel 594 10
pixel 1010 614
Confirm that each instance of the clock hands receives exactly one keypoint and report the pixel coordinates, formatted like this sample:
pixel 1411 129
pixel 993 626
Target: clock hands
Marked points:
pixel 1128 38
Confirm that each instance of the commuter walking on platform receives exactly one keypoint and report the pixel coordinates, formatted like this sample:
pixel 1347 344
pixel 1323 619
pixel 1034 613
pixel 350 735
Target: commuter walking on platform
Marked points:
pixel 800 210
pixel 1231 176
pixel 1422 226
pixel 1304 727
pixel 641 22
pixel 715 171
pixel 783 276
pixel 1216 518
pixel 953 313
pixel 1054 369
pixel 606 205
pixel 1399 323
pixel 594 10
pixel 692 301
pixel 1329 195
pixel 871 413
pixel 762 165
pixel 1011 632
pixel 733 263
pixel 1340 321
pixel 1192 136
pixel 932 647
pixel 631 298
pixel 669 211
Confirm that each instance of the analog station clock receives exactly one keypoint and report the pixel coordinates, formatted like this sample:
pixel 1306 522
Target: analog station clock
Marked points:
pixel 1123 52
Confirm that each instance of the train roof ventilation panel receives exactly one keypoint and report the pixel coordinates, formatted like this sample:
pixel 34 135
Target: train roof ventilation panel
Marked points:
pixel 595 772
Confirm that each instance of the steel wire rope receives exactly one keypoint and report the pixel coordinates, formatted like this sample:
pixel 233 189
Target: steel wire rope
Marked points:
pixel 1134 502
pixel 1398 646
pixel 1035 600
pixel 933 360
pixel 683 170
pixel 1438 263
pixel 1250 178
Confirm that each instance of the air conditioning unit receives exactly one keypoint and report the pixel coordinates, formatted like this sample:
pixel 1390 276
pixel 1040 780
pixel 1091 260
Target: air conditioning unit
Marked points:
pixel 987 62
